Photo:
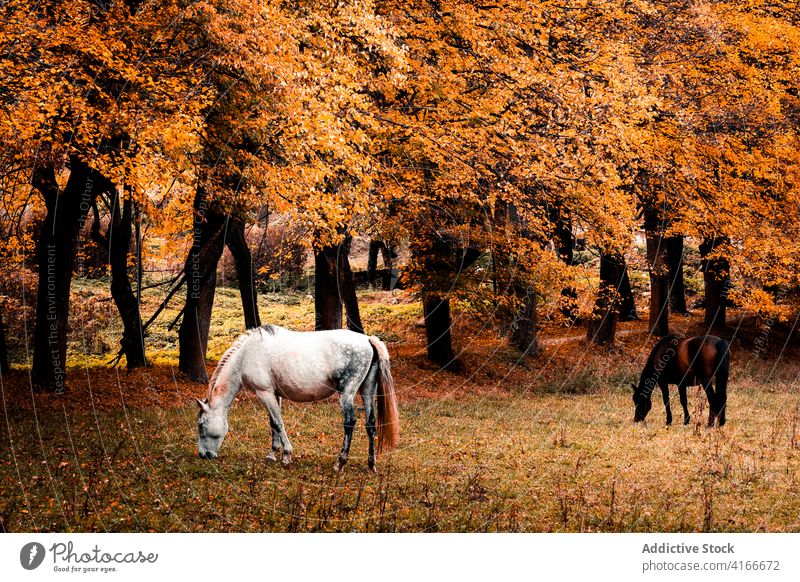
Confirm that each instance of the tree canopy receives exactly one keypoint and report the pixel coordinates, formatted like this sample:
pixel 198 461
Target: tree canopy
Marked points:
pixel 471 129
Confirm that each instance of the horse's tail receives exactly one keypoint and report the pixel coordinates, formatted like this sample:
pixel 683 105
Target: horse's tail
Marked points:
pixel 388 416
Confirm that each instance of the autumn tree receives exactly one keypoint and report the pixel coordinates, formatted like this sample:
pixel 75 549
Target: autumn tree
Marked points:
pixel 83 109
pixel 480 120
pixel 719 144
pixel 116 242
pixel 287 130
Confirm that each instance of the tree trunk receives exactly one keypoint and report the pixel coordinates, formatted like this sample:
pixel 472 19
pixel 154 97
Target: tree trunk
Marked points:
pixel 116 243
pixel 348 288
pixel 237 243
pixel 659 274
pixel 627 308
pixel 139 264
pixel 201 282
pixel 523 327
pixel 437 329
pixel 388 254
pixel 603 326
pixel 565 243
pixel 717 283
pixel 119 242
pixel 677 288
pixel 56 250
pixel 327 299
pixel 4 367
pixel 372 261
pixel 334 288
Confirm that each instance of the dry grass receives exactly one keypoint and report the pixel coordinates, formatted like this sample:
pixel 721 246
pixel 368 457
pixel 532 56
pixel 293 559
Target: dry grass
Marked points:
pixel 503 445
pixel 504 462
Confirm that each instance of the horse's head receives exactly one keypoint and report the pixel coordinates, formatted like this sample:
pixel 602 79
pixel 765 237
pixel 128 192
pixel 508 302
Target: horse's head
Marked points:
pixel 212 426
pixel 641 402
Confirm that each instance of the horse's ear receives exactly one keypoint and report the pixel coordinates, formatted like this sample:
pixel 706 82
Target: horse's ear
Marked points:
pixel 203 404
pixel 633 386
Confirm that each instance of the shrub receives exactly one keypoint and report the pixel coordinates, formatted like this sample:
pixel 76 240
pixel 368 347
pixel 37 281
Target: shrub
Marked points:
pixel 93 321
pixel 279 253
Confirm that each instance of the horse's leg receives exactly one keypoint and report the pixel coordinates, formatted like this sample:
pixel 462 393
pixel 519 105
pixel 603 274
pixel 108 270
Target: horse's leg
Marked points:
pixel 722 401
pixel 712 401
pixel 352 378
pixel 276 440
pixel 273 405
pixel 665 395
pixel 684 402
pixel 367 391
pixel 347 402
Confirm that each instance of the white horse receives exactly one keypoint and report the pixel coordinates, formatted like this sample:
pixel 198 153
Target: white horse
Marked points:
pixel 277 363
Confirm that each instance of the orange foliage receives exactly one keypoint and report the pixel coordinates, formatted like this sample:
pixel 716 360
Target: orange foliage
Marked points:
pixel 387 117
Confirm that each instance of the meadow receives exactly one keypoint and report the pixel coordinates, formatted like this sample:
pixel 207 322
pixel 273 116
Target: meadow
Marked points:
pixel 498 445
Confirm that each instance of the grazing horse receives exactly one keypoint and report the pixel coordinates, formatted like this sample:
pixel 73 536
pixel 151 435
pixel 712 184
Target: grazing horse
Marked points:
pixel 277 363
pixel 689 361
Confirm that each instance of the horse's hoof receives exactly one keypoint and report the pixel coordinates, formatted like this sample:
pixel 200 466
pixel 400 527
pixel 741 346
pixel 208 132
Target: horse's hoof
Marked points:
pixel 686 421
pixel 372 469
pixel 272 457
pixel 287 459
pixel 339 464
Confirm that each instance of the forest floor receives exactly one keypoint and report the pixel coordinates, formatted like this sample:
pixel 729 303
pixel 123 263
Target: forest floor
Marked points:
pixel 501 444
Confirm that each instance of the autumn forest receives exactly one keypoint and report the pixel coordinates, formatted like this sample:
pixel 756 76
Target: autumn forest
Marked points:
pixel 520 198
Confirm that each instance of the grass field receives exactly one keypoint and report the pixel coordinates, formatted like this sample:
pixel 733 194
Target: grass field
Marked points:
pixel 498 446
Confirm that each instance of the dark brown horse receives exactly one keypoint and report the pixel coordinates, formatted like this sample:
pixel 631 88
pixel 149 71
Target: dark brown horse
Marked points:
pixel 688 361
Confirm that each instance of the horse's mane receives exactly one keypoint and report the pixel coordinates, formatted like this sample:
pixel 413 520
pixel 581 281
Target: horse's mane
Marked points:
pixel 654 353
pixel 269 328
pixel 240 341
